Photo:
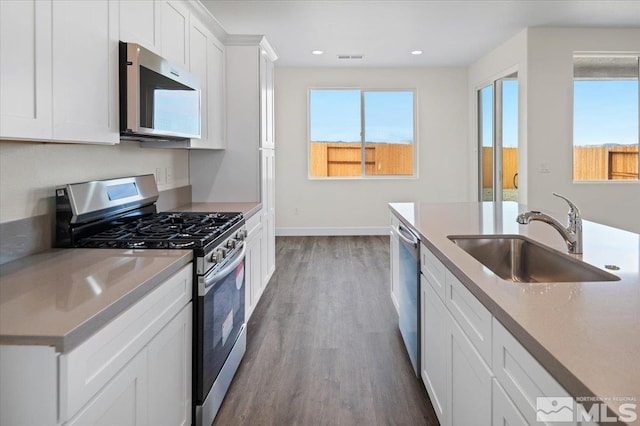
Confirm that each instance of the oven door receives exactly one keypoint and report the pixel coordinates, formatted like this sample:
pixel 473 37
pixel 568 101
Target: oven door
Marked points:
pixel 219 320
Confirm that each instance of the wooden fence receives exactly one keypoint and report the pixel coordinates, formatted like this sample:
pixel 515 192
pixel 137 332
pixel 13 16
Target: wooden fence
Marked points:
pixel 589 163
pixel 605 162
pixel 345 159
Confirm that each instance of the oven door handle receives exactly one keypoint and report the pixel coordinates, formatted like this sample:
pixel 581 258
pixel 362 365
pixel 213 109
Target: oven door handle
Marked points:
pixel 209 281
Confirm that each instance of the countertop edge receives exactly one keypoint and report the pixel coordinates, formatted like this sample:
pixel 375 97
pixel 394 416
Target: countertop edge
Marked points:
pixel 572 384
pixel 65 344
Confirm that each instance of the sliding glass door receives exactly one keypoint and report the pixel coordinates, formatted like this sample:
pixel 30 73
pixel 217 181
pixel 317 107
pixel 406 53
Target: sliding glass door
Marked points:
pixel 498 140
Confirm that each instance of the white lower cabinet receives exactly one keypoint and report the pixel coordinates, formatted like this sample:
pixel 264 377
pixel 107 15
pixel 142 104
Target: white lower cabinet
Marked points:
pixel 504 410
pixel 474 370
pixel 253 264
pixel 169 358
pixel 122 401
pixel 469 380
pixel 434 340
pixel 136 370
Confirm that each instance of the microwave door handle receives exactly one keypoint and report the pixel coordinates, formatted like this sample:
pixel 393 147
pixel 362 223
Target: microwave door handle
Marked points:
pixel 209 281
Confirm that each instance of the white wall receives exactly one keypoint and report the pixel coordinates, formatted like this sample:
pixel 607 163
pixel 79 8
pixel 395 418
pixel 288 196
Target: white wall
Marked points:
pixel 29 172
pixel 307 206
pixel 550 125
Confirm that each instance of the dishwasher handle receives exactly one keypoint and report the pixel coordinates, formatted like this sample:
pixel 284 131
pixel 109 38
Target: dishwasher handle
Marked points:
pixel 407 236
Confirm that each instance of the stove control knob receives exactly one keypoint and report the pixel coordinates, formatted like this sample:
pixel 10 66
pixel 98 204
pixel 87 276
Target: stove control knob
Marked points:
pixel 231 244
pixel 218 256
pixel 241 234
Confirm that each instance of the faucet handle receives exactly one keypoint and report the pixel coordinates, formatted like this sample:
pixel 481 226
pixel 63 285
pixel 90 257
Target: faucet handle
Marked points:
pixel 574 211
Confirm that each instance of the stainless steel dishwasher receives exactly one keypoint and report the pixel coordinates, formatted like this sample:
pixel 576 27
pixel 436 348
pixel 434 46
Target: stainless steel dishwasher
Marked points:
pixel 409 296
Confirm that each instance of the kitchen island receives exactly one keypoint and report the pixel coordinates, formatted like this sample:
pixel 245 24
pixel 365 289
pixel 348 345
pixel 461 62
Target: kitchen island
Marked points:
pixel 585 334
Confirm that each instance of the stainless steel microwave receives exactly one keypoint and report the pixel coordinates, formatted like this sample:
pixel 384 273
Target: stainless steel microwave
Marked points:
pixel 158 101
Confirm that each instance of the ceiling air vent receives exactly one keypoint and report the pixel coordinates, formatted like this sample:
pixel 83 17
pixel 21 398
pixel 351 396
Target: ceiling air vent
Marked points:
pixel 350 56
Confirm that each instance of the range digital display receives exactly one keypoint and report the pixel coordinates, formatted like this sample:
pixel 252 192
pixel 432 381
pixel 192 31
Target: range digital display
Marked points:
pixel 123 190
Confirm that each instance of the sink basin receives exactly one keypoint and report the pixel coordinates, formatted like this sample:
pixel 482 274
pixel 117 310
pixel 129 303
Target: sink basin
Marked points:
pixel 520 259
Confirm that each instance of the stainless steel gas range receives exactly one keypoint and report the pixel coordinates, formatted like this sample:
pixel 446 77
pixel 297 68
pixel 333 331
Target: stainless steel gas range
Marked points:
pixel 121 213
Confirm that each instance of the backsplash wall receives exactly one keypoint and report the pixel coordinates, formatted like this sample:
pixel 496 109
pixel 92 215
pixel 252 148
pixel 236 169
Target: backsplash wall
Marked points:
pixel 29 172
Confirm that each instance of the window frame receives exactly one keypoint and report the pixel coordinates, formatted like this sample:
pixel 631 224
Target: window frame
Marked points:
pixel 583 54
pixel 363 175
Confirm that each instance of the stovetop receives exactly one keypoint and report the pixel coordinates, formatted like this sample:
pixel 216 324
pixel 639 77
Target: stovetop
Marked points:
pixel 189 230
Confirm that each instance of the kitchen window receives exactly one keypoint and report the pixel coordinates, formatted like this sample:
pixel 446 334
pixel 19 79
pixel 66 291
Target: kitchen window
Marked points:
pixel 356 133
pixel 605 117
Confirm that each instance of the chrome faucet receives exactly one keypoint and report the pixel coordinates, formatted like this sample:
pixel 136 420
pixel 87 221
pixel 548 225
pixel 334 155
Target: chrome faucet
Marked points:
pixel 572 234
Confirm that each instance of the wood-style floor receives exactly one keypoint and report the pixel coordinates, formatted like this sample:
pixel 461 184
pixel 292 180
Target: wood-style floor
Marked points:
pixel 323 343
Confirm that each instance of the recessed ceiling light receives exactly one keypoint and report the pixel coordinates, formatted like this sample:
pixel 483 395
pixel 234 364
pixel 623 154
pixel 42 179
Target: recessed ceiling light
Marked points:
pixel 416 52
pixel 317 52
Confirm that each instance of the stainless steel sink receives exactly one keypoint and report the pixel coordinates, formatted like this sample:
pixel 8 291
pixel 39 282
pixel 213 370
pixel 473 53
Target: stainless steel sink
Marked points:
pixel 519 259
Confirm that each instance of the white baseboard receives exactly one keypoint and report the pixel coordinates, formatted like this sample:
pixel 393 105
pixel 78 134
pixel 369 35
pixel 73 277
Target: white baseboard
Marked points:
pixel 307 232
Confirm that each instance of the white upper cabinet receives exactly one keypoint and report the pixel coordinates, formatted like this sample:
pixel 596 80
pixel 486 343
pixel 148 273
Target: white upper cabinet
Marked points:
pixel 206 56
pixel 85 71
pixel 216 94
pixel 140 23
pixel 59 71
pixel 175 32
pixel 266 100
pixel 25 70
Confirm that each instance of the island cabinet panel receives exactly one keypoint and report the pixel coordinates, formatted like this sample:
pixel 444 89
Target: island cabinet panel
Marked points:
pixel 521 376
pixel 434 318
pixel 434 270
pixel 504 410
pixel 470 314
pixel 474 370
pixel 469 393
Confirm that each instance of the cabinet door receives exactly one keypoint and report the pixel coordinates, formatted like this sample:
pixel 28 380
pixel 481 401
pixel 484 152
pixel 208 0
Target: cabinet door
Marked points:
pixel 123 401
pixel 253 262
pixel 25 69
pixel 268 215
pixel 175 32
pixel 469 393
pixel 206 57
pixel 140 23
pixel 434 339
pixel 266 101
pixel 504 410
pixel 216 94
pixel 85 71
pixel 170 372
pixel 198 35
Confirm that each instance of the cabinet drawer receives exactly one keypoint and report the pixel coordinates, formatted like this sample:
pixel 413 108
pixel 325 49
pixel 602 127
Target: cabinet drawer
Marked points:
pixel 474 319
pixel 90 366
pixel 504 410
pixel 434 270
pixel 521 376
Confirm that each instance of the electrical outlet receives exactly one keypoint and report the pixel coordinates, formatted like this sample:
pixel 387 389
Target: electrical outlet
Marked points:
pixel 169 175
pixel 160 176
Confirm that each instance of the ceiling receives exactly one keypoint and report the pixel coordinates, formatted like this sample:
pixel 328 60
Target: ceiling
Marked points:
pixel 449 32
